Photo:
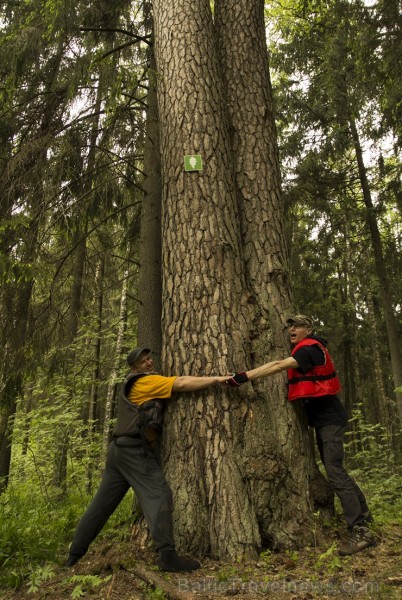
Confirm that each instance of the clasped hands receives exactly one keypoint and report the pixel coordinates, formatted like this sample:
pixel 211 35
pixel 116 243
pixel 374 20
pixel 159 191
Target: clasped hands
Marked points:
pixel 237 379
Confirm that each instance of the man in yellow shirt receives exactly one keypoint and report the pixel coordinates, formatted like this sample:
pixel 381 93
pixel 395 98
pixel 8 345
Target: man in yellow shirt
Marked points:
pixel 131 461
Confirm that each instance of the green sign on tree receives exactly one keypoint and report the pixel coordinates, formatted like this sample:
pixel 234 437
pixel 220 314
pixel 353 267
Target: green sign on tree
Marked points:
pixel 193 162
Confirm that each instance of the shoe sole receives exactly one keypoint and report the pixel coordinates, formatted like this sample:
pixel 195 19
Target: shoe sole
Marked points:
pixel 369 545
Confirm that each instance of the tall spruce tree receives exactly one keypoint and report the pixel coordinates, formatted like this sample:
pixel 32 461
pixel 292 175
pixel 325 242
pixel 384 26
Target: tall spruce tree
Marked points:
pixel 230 457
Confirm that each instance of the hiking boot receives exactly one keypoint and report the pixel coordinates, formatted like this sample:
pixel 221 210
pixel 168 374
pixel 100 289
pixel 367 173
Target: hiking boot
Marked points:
pixel 72 559
pixel 360 539
pixel 169 560
pixel 368 517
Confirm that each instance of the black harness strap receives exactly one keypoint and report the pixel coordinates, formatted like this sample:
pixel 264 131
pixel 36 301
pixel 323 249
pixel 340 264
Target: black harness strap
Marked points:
pixel 312 378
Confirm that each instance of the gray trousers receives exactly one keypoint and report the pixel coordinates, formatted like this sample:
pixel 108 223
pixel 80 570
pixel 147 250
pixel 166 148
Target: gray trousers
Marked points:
pixel 128 467
pixel 330 445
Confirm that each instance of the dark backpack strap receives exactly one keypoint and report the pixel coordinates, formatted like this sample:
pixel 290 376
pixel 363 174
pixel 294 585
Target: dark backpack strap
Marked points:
pixel 129 382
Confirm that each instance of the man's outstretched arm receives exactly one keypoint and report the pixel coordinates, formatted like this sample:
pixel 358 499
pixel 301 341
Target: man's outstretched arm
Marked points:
pixel 188 383
pixel 270 368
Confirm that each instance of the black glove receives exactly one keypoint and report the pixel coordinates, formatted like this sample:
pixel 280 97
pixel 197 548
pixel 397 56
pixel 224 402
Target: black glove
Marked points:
pixel 238 379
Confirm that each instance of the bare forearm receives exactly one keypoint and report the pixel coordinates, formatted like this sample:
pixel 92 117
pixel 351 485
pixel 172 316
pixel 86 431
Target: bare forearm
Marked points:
pixel 188 383
pixel 265 370
pixel 271 368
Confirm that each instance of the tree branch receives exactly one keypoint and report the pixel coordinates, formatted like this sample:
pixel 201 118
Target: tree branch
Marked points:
pixel 138 38
pixel 157 581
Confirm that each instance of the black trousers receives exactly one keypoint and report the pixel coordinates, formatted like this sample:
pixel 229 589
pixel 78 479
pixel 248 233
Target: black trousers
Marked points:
pixel 330 445
pixel 128 467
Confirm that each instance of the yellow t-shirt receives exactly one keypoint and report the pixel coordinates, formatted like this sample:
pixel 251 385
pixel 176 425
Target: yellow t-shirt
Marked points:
pixel 150 387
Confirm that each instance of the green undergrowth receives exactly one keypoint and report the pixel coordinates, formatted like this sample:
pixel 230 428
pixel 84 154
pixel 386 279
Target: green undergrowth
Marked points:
pixel 37 522
pixel 36 530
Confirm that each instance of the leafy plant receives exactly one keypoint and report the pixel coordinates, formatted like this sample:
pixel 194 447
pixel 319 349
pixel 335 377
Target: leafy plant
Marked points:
pixel 330 560
pixel 85 583
pixel 226 573
pixel 155 593
pixel 292 554
pixel 374 466
pixel 38 576
pixel 266 557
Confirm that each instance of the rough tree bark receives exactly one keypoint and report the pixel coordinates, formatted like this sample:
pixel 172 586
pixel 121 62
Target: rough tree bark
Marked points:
pixel 274 425
pixel 211 314
pixel 205 321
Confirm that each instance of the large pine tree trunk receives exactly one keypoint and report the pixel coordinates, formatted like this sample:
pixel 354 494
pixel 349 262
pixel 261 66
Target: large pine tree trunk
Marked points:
pixel 245 70
pixel 204 323
pixel 238 463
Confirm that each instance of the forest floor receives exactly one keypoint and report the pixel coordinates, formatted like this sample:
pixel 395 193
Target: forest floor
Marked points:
pixel 120 570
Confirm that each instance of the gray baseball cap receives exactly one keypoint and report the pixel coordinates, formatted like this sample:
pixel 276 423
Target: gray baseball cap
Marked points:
pixel 135 355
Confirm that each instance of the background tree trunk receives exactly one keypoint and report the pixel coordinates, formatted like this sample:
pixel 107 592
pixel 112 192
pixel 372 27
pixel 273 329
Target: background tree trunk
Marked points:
pixel 385 290
pixel 150 277
pixel 14 364
pixel 20 247
pixel 113 378
pixel 81 219
pixel 95 341
pixel 384 408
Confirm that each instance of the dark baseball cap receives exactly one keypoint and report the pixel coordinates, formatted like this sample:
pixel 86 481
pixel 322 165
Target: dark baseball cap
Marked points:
pixel 135 355
pixel 300 320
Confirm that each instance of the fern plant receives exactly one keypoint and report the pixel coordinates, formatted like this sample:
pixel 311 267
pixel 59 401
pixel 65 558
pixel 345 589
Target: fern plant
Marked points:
pixel 85 583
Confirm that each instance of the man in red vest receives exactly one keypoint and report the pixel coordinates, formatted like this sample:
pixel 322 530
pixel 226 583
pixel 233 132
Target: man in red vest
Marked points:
pixel 312 379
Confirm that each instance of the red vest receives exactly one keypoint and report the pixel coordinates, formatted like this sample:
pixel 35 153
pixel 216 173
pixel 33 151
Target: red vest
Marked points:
pixel 319 381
